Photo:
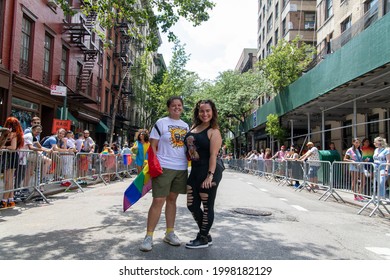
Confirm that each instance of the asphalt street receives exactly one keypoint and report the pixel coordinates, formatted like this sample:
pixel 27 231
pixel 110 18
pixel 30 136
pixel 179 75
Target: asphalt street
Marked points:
pixel 91 225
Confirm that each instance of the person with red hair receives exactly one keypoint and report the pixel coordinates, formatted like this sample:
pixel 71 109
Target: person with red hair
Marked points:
pixel 10 159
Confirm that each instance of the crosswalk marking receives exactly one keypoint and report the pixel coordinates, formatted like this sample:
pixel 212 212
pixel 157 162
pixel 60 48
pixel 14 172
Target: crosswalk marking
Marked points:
pixel 264 190
pixel 299 208
pixel 250 183
pixel 284 199
pixel 382 251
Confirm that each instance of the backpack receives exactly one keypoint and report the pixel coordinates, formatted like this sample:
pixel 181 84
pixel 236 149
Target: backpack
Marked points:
pixel 44 139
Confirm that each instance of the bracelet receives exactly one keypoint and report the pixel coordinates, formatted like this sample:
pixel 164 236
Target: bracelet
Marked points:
pixel 210 173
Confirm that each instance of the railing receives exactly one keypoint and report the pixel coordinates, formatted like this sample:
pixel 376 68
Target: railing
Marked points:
pixel 365 181
pixel 26 174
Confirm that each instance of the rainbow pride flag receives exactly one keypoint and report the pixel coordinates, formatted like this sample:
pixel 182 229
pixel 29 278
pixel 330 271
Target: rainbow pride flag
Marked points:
pixel 141 185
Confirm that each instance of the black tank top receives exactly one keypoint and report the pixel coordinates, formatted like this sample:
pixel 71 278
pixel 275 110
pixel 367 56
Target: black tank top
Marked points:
pixel 198 147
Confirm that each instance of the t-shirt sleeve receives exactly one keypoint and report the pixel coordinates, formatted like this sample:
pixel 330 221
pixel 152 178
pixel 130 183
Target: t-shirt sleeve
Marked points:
pixel 28 139
pixel 52 141
pixel 154 133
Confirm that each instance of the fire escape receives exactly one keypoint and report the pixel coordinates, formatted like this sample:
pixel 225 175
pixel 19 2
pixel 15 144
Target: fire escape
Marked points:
pixel 124 55
pixel 79 31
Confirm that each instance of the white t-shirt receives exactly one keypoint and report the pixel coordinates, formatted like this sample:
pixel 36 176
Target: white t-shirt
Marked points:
pixel 314 156
pixel 171 151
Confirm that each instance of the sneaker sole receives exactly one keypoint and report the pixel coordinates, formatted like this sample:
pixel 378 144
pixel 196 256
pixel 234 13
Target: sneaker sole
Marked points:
pixel 145 250
pixel 171 243
pixel 197 247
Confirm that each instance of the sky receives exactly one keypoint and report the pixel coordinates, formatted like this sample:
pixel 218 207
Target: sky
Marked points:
pixel 216 45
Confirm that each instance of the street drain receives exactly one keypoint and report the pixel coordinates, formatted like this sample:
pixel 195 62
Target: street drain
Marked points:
pixel 251 212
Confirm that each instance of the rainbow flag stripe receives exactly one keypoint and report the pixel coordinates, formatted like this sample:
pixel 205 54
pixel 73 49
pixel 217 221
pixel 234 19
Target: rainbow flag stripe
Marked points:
pixel 141 185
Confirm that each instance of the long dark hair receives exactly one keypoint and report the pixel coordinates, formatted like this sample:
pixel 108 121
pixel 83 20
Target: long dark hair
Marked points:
pixel 145 132
pixel 353 146
pixel 214 120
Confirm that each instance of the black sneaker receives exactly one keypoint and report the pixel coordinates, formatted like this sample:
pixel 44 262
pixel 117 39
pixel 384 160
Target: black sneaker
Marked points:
pixel 200 242
pixel 209 239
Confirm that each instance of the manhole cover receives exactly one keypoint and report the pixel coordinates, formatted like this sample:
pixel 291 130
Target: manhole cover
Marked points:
pixel 251 212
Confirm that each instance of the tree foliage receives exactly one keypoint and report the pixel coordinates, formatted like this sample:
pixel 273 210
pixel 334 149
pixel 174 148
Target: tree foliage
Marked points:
pixel 154 13
pixel 274 129
pixel 234 94
pixel 286 62
pixel 176 81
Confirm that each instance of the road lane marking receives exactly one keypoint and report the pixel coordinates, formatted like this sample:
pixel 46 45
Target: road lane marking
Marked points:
pixel 264 190
pixel 381 251
pixel 284 199
pixel 299 208
pixel 250 183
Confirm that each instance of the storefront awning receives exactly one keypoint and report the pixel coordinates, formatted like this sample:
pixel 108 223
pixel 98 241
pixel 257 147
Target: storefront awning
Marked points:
pixel 70 117
pixel 101 127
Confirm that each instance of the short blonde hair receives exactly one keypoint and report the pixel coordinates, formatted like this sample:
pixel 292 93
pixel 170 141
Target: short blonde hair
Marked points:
pixel 381 140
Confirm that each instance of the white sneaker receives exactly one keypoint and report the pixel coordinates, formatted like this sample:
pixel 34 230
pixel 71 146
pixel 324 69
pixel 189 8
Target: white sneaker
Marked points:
pixel 147 244
pixel 172 239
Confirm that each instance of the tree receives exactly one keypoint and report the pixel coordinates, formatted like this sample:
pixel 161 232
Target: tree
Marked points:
pixel 273 128
pixel 234 94
pixel 154 13
pixel 286 62
pixel 176 81
pixel 140 13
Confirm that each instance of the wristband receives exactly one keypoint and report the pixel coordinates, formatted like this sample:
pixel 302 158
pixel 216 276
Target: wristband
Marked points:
pixel 210 173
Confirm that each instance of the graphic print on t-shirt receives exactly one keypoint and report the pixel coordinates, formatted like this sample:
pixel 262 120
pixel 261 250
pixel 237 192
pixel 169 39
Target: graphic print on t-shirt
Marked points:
pixel 177 135
pixel 191 148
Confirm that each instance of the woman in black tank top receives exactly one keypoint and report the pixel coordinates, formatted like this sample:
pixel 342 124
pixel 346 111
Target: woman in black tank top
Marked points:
pixel 203 143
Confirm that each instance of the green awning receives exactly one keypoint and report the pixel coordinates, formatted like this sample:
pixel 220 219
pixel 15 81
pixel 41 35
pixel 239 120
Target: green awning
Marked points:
pixel 101 127
pixel 70 117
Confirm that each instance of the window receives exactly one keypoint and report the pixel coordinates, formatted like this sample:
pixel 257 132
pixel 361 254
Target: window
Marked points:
pixel 269 24
pixel 373 126
pixel 370 4
pixel 276 36
pixel 346 24
pixel 64 64
pixel 328 9
pixel 114 75
pixel 107 95
pixel 347 134
pixel 78 71
pixel 276 11
pixel 108 64
pixel 269 45
pixel 284 30
pixel 47 60
pixel 310 21
pixel 26 45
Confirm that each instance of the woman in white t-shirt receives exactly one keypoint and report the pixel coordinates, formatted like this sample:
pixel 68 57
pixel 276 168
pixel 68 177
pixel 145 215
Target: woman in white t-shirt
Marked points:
pixel 167 142
pixel 382 163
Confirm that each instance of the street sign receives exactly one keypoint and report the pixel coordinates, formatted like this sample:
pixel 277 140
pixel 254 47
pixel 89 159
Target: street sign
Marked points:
pixel 58 90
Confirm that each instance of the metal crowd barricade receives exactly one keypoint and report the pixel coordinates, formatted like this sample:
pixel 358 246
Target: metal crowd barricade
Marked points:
pixel 126 165
pixel 279 170
pixel 316 175
pixel 268 169
pixel 18 171
pixel 108 167
pixel 259 167
pixel 295 171
pixel 379 197
pixel 56 168
pixel 87 167
pixel 356 178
